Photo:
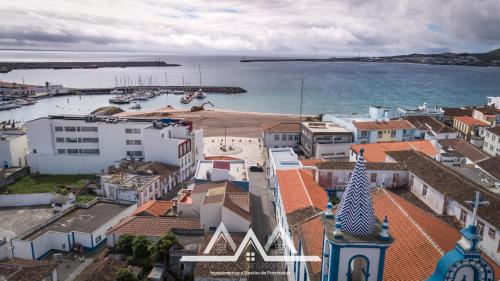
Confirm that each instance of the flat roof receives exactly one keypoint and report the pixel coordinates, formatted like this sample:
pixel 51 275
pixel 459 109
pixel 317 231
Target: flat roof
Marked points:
pixel 237 169
pixel 324 127
pixel 82 220
pixel 285 158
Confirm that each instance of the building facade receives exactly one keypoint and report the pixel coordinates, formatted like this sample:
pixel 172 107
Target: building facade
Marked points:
pixel 492 141
pixel 282 135
pixel 324 140
pixel 13 149
pixel 470 129
pixel 89 144
pixel 383 131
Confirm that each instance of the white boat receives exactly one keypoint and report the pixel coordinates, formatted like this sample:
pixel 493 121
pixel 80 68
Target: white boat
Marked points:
pixel 178 92
pixel 200 94
pixel 116 92
pixel 119 100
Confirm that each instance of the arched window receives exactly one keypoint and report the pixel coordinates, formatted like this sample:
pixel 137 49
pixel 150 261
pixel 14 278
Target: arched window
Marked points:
pixel 358 269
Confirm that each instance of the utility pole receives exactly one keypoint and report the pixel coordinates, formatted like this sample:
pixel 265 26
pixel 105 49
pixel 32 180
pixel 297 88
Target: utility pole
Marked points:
pixel 301 97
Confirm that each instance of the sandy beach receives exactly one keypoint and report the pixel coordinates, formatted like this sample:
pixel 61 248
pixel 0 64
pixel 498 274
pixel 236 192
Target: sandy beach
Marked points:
pixel 213 121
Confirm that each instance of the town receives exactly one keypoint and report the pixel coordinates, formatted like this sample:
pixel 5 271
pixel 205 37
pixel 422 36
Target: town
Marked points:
pixel 406 195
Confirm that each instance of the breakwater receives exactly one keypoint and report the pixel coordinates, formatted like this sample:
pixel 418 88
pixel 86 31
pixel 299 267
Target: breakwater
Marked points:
pixel 206 89
pixel 8 66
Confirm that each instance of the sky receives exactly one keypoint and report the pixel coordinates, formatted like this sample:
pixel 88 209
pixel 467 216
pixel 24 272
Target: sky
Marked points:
pixel 253 27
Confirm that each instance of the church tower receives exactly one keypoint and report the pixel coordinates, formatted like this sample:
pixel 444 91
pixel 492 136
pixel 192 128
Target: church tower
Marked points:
pixel 464 262
pixel 354 243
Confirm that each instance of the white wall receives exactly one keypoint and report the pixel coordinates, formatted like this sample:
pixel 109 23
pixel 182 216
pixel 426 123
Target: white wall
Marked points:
pixel 13 151
pixel 33 199
pixel 5 251
pixel 330 151
pixel 210 216
pixel 434 199
pixel 21 249
pixel 270 141
pixel 234 222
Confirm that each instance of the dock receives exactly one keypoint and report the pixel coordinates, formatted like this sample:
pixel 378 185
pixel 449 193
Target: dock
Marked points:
pixel 206 89
pixel 9 66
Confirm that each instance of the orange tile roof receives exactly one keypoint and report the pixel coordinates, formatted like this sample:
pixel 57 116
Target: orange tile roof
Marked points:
pixel 376 152
pixel 153 226
pixel 383 125
pixel 420 239
pixel 154 208
pixel 469 121
pixel 299 190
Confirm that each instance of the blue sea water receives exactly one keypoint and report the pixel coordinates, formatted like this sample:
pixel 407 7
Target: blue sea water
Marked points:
pixel 336 87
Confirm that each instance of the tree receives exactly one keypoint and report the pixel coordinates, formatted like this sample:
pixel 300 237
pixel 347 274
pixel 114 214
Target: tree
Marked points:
pixel 162 248
pixel 124 244
pixel 141 251
pixel 124 274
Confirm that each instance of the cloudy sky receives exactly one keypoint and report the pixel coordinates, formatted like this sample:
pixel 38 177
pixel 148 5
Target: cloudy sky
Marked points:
pixel 251 27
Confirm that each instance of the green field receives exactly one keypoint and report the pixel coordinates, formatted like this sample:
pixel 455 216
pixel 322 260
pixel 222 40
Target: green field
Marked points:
pixel 44 183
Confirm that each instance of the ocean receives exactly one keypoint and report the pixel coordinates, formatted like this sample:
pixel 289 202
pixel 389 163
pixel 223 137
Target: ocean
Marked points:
pixel 329 87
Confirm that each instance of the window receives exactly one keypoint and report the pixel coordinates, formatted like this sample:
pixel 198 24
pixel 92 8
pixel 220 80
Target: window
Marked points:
pixel 276 137
pixel 492 232
pixel 88 129
pixel 480 228
pixel 373 177
pixel 296 137
pixel 380 134
pixel 72 151
pixel 58 128
pixel 59 139
pixel 133 142
pixel 364 134
pixel 393 134
pixel 90 151
pixel 132 131
pixel 92 140
pixel 61 151
pixel 290 137
pixel 404 133
pixel 71 140
pixel 283 137
pixel 134 153
pixel 463 216
pixel 424 191
pixel 70 129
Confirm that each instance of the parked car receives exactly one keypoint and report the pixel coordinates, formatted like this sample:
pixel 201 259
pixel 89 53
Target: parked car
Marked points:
pixel 256 168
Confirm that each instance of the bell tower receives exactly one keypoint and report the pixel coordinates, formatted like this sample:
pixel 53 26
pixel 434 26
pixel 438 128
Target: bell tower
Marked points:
pixel 355 242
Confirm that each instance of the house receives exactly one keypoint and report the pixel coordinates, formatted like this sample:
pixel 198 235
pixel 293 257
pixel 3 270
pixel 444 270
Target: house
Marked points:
pixel 155 208
pixel 88 144
pixel 446 192
pixel 217 202
pixel 82 226
pixel 235 171
pixel 131 187
pixel 376 152
pixel 457 152
pixel 282 135
pixel 383 131
pixel 470 129
pixel 429 128
pixel 422 110
pixel 489 115
pixel 281 159
pixel 451 112
pixel 492 141
pixel 13 149
pixel 491 166
pixel 334 176
pixel 324 140
pixel 153 228
pixel 15 269
pixel 493 102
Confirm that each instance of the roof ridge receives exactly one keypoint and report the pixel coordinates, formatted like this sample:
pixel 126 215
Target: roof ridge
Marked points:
pixel 304 187
pixel 412 220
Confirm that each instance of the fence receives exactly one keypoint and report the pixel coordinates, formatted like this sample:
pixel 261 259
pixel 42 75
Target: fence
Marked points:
pixel 33 199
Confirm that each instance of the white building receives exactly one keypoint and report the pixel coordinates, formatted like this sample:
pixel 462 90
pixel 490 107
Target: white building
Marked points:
pixel 383 131
pixel 422 110
pixel 334 176
pixel 494 101
pixel 13 149
pixel 132 188
pixel 446 192
pixel 281 159
pixel 75 144
pixel 324 140
pixel 492 141
pixel 214 203
pixel 282 135
pixel 235 171
pixel 429 128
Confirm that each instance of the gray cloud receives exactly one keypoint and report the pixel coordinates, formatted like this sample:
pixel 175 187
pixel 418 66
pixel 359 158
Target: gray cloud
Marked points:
pixel 322 27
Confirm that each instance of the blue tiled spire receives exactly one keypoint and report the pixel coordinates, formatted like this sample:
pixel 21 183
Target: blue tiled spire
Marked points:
pixel 356 208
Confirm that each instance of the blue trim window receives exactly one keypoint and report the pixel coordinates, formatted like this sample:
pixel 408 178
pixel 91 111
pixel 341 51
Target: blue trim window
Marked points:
pixel 358 268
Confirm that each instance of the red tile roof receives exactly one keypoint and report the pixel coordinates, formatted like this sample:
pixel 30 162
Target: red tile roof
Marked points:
pixel 223 165
pixel 420 239
pixel 153 226
pixel 299 190
pixel 469 121
pixel 383 125
pixel 376 152
pixel 154 208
